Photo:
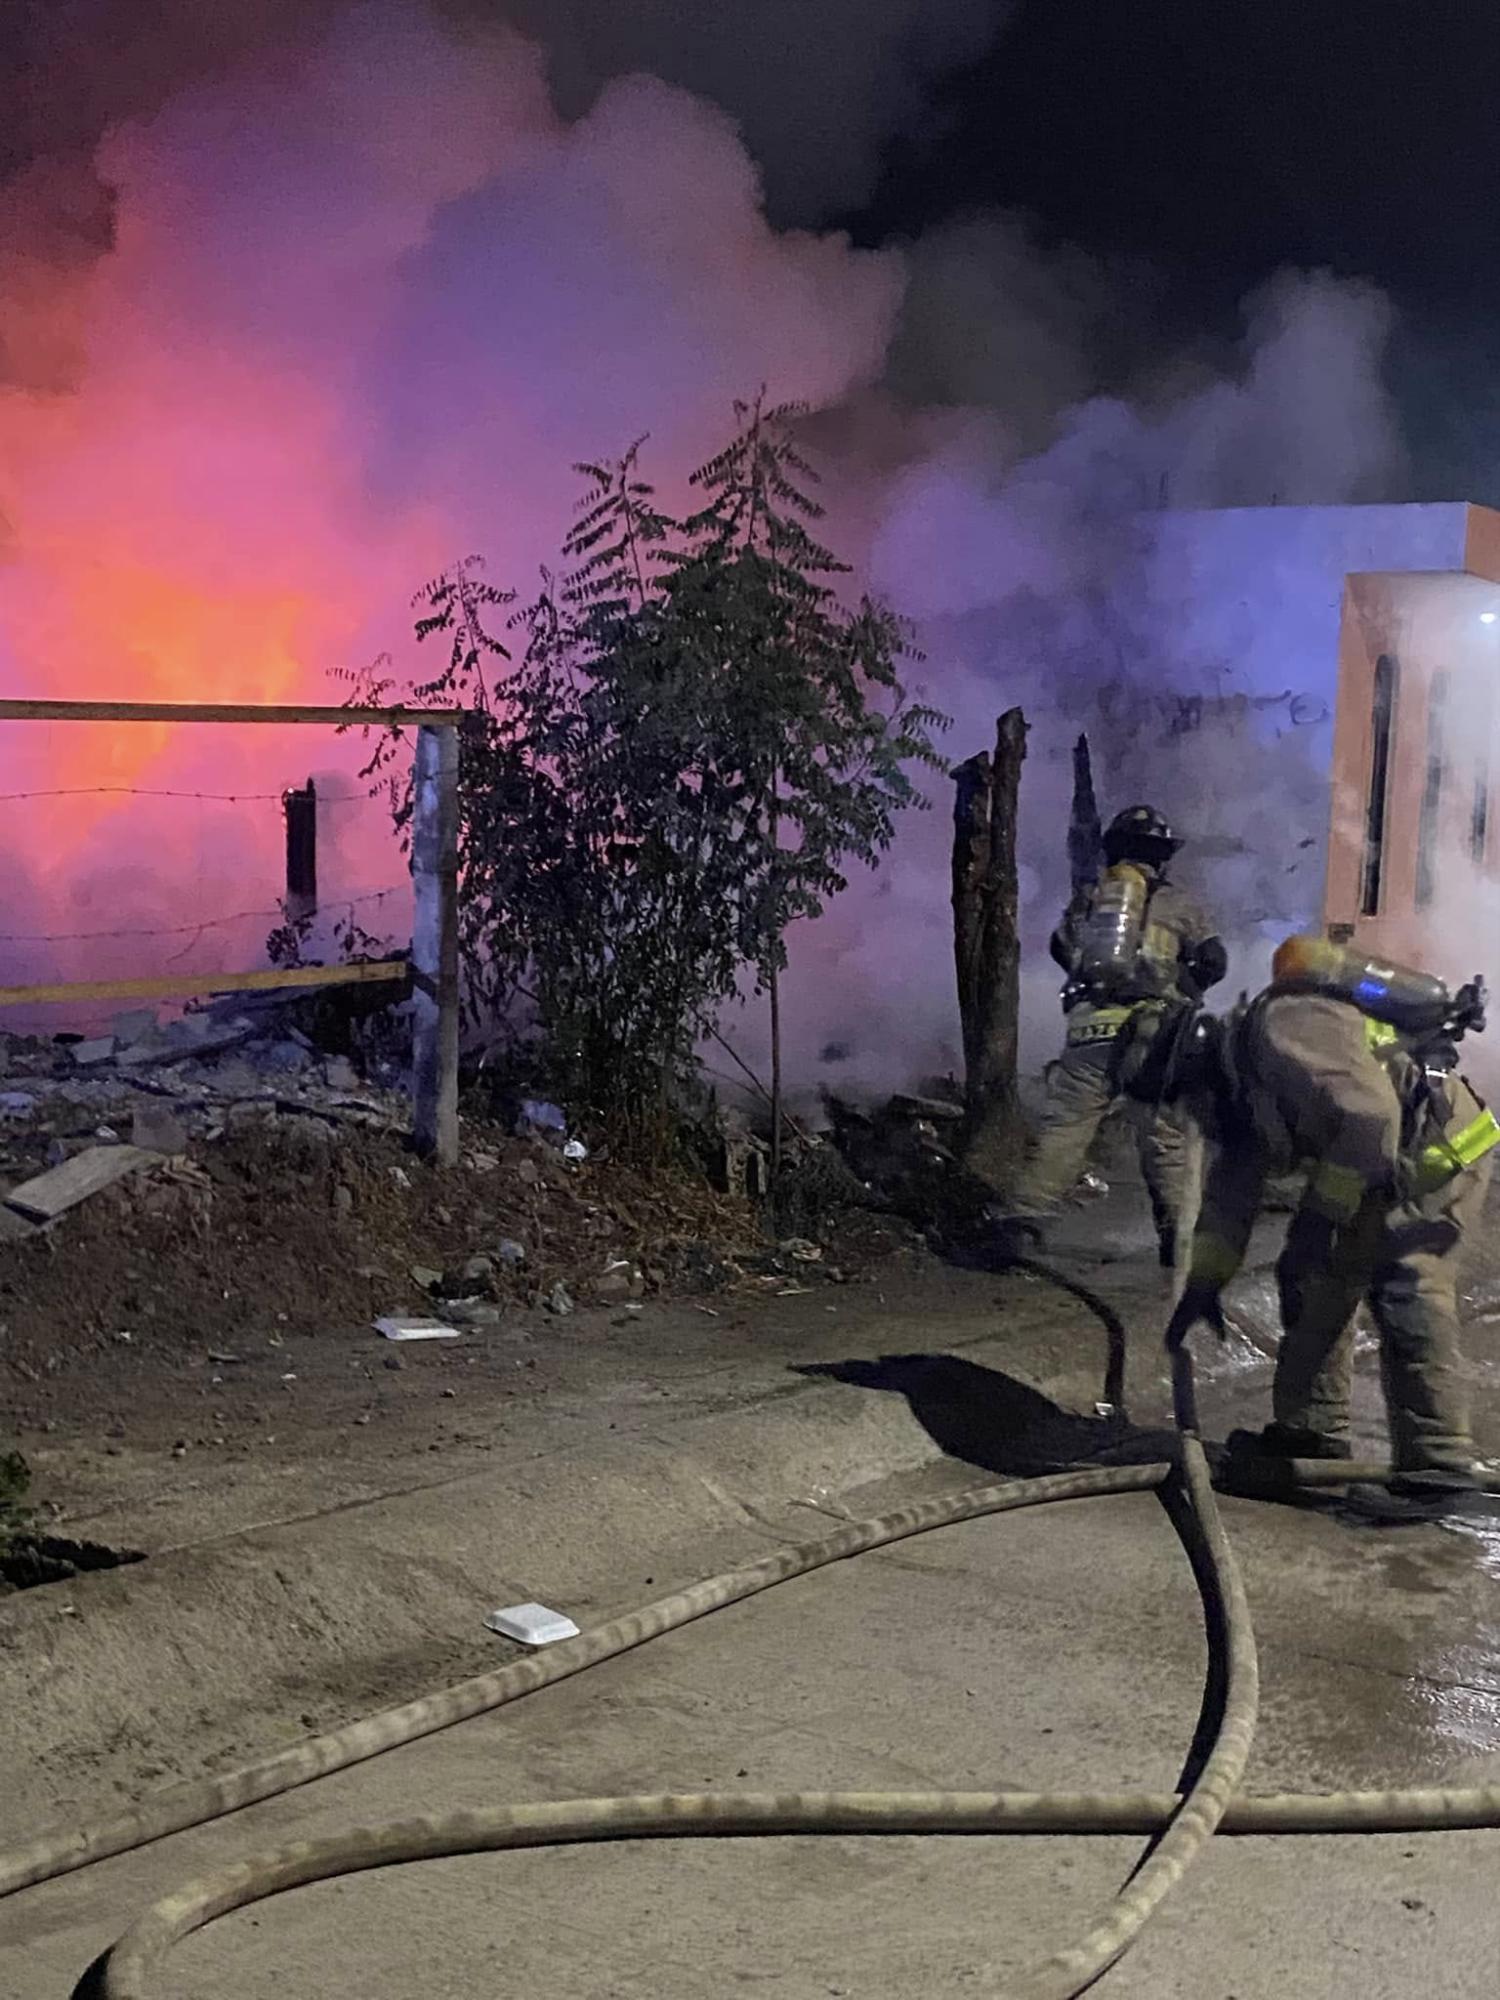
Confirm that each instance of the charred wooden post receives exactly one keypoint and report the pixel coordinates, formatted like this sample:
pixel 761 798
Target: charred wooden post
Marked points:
pixel 301 809
pixel 987 947
pixel 1085 829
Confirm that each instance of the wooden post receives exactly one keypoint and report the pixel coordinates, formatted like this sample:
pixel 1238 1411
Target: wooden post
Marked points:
pixel 301 809
pixel 434 870
pixel 987 947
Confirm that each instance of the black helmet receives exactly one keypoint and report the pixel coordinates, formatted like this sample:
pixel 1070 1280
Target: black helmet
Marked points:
pixel 1140 833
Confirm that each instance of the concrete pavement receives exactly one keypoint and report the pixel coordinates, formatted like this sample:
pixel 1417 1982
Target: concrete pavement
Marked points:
pixel 1060 1648
pixel 1055 1649
pixel 290 1599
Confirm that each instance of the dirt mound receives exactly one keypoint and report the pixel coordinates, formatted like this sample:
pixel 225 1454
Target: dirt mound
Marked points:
pixel 291 1222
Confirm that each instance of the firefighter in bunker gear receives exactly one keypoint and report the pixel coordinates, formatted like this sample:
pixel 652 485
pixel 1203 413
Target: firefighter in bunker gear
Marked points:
pixel 1133 945
pixel 1396 1151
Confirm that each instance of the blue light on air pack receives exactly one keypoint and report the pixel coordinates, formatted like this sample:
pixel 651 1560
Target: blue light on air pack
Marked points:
pixel 1369 992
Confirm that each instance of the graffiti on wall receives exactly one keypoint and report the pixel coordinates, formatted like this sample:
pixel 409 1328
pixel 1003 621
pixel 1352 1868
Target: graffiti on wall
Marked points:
pixel 1132 709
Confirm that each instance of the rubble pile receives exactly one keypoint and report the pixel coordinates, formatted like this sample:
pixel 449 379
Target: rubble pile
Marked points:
pixel 217 1178
pixel 160 1086
pixel 906 1144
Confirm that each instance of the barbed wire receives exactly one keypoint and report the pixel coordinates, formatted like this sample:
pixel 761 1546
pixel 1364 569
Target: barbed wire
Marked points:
pixel 334 905
pixel 215 798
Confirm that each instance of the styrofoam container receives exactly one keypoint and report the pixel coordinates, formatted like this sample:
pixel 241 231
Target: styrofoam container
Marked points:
pixel 416 1329
pixel 532 1624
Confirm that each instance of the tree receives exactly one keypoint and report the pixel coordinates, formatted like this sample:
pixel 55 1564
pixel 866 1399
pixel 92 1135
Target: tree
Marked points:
pixel 817 718
pixel 690 739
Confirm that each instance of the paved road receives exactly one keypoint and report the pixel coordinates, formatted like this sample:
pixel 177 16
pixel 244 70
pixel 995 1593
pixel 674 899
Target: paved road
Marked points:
pixel 1060 1648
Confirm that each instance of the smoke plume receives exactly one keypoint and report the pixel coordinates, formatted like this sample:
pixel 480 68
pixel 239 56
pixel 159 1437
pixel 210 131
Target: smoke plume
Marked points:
pixel 361 307
pixel 1081 580
pixel 302 305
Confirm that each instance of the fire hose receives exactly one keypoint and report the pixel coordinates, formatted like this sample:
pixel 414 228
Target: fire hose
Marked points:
pixel 1179 1823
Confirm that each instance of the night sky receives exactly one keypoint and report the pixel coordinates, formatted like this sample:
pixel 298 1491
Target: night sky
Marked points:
pixel 1218 141
pixel 1214 144
pixel 1224 141
pixel 1221 143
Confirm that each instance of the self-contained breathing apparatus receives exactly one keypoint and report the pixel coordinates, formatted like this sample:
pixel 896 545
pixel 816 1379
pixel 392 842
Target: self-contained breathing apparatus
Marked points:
pixel 1417 1007
pixel 1112 933
pixel 1114 959
pixel 1413 1023
pixel 1407 1012
pixel 1413 1018
pixel 1142 998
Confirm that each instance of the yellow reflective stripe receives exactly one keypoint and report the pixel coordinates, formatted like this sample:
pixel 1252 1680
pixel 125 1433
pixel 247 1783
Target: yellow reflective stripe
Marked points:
pixel 1379 1034
pixel 1336 1191
pixel 1102 1025
pixel 1214 1260
pixel 1477 1137
pixel 1437 1164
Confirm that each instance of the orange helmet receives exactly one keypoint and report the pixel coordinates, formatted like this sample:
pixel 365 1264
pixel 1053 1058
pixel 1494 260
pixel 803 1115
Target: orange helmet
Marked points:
pixel 1306 956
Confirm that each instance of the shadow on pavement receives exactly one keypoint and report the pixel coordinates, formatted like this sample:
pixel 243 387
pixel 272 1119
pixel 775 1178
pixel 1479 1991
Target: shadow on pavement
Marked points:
pixel 985 1418
pixel 91 1985
pixel 992 1420
pixel 976 1253
pixel 988 1419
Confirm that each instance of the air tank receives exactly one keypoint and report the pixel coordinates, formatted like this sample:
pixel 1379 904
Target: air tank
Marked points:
pixel 1414 1002
pixel 1109 941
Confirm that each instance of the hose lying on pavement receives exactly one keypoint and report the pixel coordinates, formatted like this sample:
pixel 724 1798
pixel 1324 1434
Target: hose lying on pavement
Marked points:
pixel 1183 1823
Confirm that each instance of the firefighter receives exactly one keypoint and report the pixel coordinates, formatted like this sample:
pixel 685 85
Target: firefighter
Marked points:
pixel 1345 1071
pixel 1134 948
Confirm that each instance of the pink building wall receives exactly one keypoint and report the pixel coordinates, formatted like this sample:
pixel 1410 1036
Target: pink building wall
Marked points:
pixel 1413 852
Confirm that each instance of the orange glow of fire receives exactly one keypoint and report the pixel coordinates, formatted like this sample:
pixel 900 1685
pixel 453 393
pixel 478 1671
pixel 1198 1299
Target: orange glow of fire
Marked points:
pixel 140 635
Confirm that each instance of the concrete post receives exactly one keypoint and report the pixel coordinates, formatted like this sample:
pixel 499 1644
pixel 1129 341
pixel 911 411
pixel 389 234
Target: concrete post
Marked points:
pixel 434 869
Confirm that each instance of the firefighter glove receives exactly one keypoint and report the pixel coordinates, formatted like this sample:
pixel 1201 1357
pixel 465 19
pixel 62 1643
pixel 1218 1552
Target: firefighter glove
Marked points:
pixel 1199 1306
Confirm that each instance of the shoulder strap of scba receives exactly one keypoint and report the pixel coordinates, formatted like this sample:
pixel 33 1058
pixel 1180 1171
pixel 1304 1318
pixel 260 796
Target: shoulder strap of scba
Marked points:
pixel 1241 1028
pixel 1447 1153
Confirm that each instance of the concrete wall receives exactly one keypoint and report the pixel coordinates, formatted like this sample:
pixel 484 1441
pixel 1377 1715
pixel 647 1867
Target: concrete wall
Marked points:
pixel 1202 653
pixel 1295 606
pixel 1261 588
pixel 1434 898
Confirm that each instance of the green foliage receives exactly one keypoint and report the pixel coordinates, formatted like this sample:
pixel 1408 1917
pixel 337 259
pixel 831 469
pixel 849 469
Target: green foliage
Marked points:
pixel 290 945
pixel 815 708
pixel 687 741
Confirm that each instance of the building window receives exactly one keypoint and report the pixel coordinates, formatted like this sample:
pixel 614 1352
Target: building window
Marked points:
pixel 1429 826
pixel 1382 719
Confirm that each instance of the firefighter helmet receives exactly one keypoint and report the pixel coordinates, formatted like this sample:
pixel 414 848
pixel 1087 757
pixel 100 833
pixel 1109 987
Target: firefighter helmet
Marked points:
pixel 1140 833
